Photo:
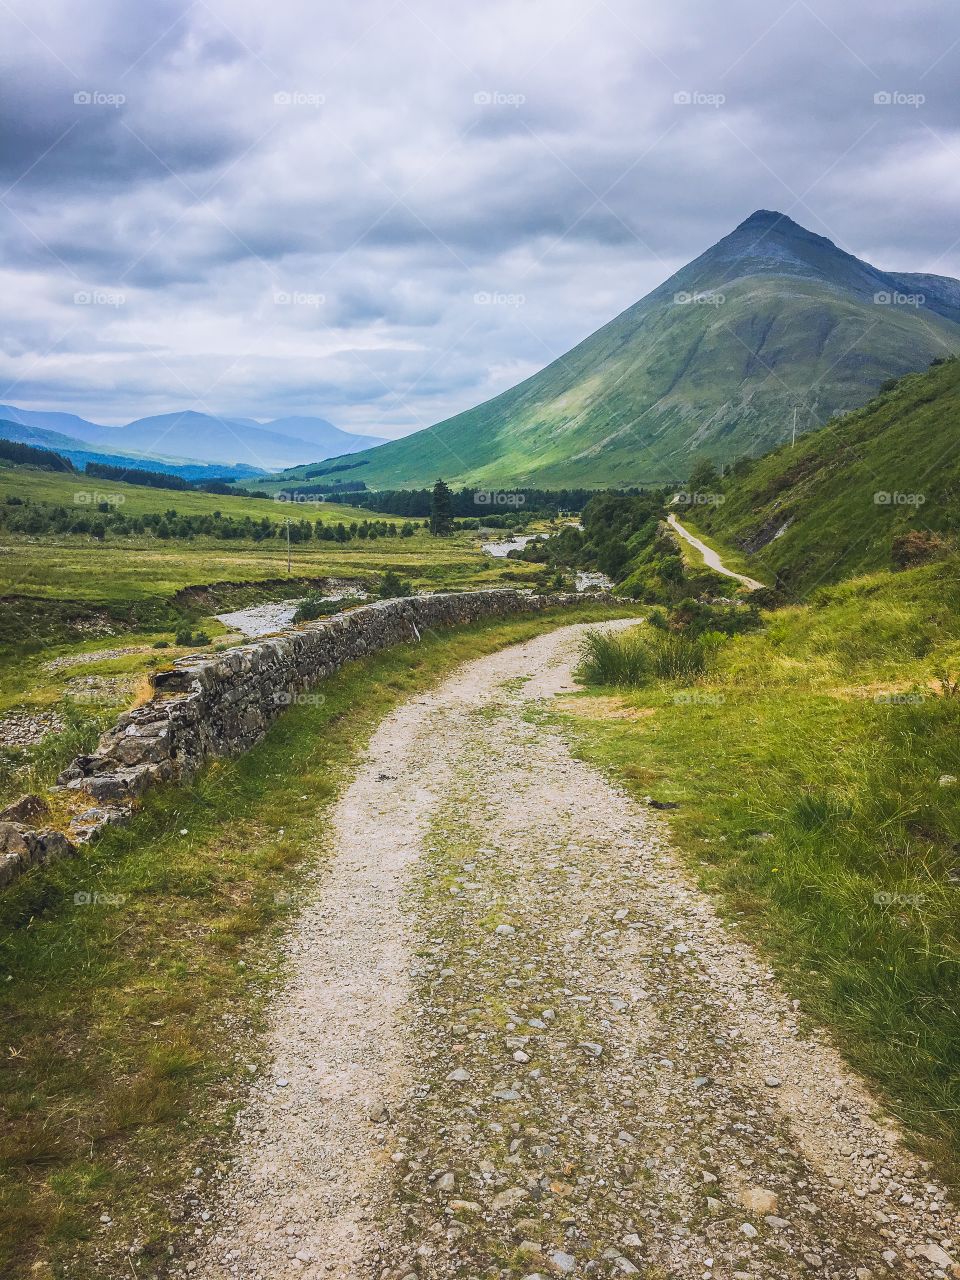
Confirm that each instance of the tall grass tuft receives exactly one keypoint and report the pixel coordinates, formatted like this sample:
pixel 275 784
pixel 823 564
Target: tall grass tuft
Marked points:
pixel 677 655
pixel 634 659
pixel 606 658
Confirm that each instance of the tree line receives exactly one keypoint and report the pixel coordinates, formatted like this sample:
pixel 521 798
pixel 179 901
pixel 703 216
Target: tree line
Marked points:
pixel 19 515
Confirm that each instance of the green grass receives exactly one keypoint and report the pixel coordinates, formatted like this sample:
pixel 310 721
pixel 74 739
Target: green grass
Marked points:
pixel 807 769
pixel 642 655
pixel 129 1022
pixel 36 768
pixel 621 660
pixel 822 492
pixel 62 489
pixel 128 571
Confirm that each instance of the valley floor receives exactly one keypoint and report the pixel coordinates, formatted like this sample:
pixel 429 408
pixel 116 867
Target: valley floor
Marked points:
pixel 516 1039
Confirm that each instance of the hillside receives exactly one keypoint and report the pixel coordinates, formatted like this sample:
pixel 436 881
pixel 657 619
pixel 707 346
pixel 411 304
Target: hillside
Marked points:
pixel 833 505
pixel 771 319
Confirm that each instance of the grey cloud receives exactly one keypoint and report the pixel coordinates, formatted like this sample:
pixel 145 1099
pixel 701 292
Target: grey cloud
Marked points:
pixel 399 159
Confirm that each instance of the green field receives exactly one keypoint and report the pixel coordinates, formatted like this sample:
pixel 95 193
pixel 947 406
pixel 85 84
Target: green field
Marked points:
pixel 68 598
pixel 63 488
pixel 123 571
pixel 127 571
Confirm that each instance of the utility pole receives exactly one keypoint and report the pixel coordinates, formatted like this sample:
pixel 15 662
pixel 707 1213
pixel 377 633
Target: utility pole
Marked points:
pixel 288 546
pixel 793 442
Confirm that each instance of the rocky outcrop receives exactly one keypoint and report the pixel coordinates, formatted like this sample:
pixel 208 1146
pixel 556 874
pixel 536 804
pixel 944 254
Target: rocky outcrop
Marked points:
pixel 22 848
pixel 224 703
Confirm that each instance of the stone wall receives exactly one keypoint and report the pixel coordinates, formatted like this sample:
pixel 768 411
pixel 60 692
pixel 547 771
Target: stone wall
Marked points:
pixel 223 704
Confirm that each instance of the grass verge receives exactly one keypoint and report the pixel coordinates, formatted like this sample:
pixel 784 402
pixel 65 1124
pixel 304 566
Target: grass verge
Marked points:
pixel 134 978
pixel 816 773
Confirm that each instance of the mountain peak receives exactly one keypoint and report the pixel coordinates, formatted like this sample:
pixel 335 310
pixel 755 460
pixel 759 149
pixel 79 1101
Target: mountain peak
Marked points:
pixel 762 218
pixel 769 243
pixel 771 320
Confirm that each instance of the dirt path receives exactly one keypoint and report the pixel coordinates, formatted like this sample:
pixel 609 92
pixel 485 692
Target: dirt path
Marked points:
pixel 517 1041
pixel 710 558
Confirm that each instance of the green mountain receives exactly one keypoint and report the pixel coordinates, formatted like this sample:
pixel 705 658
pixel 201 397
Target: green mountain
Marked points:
pixel 772 319
pixel 875 489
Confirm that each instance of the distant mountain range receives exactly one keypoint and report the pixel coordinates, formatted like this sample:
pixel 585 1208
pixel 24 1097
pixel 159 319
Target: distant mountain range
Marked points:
pixel 80 453
pixel 772 325
pixel 189 437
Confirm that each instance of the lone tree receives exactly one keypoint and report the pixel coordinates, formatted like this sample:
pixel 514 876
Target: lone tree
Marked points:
pixel 441 510
pixel 704 477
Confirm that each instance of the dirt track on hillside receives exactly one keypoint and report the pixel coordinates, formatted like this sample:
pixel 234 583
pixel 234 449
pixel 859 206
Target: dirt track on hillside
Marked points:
pixel 517 1041
pixel 710 557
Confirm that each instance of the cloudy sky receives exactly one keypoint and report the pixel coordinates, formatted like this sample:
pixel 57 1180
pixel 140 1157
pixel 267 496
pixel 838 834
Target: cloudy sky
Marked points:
pixel 386 211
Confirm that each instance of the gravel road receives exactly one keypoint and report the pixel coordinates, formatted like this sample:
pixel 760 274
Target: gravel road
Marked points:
pixel 516 1040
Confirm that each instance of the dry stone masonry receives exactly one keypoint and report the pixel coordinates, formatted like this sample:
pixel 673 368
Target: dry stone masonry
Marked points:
pixel 223 704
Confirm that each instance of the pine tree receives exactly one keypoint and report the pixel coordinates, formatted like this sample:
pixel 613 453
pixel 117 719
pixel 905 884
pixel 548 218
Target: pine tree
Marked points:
pixel 441 510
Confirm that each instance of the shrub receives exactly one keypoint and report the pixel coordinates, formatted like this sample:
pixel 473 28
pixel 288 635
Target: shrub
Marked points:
pixel 697 617
pixel 317 606
pixel 393 586
pixel 916 546
pixel 767 598
pixel 635 659
pixel 678 655
pixel 185 637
